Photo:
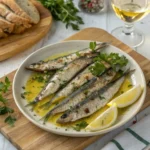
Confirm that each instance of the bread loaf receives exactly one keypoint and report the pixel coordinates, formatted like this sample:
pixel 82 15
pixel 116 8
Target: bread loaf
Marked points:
pixel 6 26
pixel 23 8
pixel 12 17
pixel 2 34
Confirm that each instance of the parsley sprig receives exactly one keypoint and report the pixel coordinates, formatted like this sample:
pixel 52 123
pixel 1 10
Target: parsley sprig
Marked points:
pixel 65 11
pixel 4 109
pixel 116 61
pixel 92 46
pixel 97 69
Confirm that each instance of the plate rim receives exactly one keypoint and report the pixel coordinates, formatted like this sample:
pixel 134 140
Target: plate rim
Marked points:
pixel 77 134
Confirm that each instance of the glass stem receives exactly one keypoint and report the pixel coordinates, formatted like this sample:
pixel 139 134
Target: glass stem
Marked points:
pixel 128 28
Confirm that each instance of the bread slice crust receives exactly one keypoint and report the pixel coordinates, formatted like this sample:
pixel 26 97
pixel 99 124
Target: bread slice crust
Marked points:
pixel 6 26
pixel 2 34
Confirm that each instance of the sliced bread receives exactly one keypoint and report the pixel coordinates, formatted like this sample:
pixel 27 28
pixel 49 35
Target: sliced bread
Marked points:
pixel 19 29
pixel 12 17
pixel 6 26
pixel 23 8
pixel 2 34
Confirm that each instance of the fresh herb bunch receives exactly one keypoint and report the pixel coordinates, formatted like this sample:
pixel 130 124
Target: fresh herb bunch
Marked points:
pixel 64 11
pixel 4 109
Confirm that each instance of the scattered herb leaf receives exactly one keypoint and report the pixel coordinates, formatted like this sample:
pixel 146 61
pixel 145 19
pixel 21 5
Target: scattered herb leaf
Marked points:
pixel 22 95
pixel 101 97
pixel 43 77
pixel 78 54
pixel 5 110
pixel 130 85
pixel 4 86
pixel 80 125
pixel 97 69
pixel 2 99
pixel 122 92
pixel 63 84
pixel 92 46
pixel 10 120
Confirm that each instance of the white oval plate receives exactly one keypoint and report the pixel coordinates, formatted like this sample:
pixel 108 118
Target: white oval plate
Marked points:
pixel 22 75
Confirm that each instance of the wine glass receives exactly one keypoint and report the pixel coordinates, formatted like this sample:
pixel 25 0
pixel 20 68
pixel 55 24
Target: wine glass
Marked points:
pixel 130 11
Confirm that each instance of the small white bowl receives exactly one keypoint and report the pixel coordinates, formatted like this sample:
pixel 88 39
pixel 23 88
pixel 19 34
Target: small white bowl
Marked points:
pixel 22 76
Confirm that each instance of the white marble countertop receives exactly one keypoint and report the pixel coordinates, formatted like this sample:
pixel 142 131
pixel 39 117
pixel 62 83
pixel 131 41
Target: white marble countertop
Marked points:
pixel 105 20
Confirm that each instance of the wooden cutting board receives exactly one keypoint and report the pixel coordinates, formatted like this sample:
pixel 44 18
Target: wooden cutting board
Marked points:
pixel 26 136
pixel 15 44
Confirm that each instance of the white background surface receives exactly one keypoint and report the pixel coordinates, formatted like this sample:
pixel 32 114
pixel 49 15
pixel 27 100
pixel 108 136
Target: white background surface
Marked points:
pixel 105 20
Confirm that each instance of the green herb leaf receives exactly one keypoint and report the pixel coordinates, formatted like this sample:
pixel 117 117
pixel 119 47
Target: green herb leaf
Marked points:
pixel 10 120
pixel 117 62
pixel 80 125
pixel 130 85
pixel 101 97
pixel 4 86
pixel 92 46
pixel 78 54
pixel 97 69
pixel 65 11
pixel 2 99
pixel 43 77
pixel 5 110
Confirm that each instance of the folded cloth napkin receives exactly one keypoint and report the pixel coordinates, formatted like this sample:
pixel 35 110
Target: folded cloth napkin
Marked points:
pixel 137 137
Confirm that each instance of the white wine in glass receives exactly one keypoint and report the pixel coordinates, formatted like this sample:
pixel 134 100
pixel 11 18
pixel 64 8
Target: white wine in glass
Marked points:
pixel 130 11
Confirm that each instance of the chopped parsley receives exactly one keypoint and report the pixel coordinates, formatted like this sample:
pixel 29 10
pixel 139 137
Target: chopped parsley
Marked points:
pixel 101 97
pixel 97 69
pixel 43 77
pixel 4 109
pixel 80 126
pixel 24 94
pixel 39 78
pixel 117 63
pixel 130 85
pixel 78 54
pixel 63 84
pixel 10 120
pixel 92 46
pixel 122 92
pixel 4 86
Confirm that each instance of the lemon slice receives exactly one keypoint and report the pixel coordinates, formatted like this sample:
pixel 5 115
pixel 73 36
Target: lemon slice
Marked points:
pixel 127 98
pixel 105 120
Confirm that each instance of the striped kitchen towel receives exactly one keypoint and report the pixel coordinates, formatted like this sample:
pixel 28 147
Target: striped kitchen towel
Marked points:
pixel 137 137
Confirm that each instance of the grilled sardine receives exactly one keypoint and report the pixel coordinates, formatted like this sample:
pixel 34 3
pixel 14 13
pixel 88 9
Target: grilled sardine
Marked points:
pixel 62 61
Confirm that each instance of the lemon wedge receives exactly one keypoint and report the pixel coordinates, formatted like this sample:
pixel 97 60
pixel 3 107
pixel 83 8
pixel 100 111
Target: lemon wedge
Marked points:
pixel 105 120
pixel 127 98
